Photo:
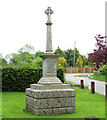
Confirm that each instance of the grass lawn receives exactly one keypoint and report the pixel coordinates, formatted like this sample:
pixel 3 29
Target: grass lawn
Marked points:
pixel 87 104
pixel 100 77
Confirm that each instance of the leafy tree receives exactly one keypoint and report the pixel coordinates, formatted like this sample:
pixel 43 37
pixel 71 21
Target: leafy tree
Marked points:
pixel 0 55
pixel 69 56
pixel 25 55
pixel 0 60
pixel 37 63
pixel 85 61
pixel 99 56
pixel 38 53
pixel 61 61
pixel 79 62
pixel 59 52
pixel 8 57
pixel 76 54
pixel 15 58
pixel 102 70
pixel 4 62
pixel 27 48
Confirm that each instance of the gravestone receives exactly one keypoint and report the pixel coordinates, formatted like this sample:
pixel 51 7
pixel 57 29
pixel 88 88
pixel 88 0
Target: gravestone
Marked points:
pixel 50 96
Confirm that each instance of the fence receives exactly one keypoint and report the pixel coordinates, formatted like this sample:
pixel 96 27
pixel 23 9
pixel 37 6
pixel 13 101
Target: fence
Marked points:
pixel 80 70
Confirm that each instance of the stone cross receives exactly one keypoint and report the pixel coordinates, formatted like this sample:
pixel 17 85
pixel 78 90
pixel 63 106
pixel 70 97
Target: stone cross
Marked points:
pixel 49 12
pixel 49 34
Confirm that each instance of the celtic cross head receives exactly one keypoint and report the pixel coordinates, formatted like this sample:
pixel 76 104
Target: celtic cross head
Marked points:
pixel 49 12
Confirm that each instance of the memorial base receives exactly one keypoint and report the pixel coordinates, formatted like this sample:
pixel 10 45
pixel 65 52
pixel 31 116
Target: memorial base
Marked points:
pixel 50 99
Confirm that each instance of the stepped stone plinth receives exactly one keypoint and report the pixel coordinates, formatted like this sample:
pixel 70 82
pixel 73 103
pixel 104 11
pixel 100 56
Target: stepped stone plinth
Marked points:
pixel 50 96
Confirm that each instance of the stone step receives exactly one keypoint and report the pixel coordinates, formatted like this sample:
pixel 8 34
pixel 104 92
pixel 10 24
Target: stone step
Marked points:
pixel 53 86
pixel 50 93
pixel 50 102
pixel 52 111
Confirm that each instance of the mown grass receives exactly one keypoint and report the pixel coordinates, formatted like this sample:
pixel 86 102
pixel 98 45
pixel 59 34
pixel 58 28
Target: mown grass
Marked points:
pixel 100 77
pixel 87 104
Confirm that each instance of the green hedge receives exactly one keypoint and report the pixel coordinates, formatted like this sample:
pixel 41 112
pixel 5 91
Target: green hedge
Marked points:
pixel 60 74
pixel 19 79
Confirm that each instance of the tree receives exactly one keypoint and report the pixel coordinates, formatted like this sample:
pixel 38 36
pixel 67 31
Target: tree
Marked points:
pixel 26 55
pixel 0 60
pixel 99 56
pixel 15 58
pixel 0 55
pixel 85 61
pixel 37 63
pixel 79 62
pixel 59 52
pixel 76 54
pixel 61 61
pixel 4 62
pixel 27 48
pixel 8 57
pixel 38 53
pixel 69 56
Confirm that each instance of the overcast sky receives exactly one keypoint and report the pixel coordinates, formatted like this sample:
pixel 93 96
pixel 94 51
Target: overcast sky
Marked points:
pixel 23 22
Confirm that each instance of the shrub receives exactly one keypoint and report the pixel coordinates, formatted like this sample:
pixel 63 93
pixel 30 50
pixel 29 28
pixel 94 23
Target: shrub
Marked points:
pixel 19 79
pixel 103 70
pixel 60 74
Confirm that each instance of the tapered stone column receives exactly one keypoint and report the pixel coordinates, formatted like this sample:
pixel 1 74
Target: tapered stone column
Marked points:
pixel 50 96
pixel 49 58
pixel 49 33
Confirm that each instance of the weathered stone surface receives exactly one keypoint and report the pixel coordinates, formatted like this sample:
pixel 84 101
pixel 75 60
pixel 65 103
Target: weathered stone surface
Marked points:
pixel 49 87
pixel 50 93
pixel 49 81
pixel 49 69
pixel 49 65
pixel 51 102
pixel 49 34
pixel 52 111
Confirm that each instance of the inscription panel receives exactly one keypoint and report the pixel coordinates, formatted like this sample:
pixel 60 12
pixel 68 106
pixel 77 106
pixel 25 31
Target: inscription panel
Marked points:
pixel 49 67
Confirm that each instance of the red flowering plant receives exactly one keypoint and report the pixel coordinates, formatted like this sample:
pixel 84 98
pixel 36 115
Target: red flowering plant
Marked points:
pixel 99 56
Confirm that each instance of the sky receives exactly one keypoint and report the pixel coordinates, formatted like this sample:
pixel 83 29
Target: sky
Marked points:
pixel 23 22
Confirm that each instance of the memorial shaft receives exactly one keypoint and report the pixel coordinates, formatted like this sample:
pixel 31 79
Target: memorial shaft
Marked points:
pixel 49 58
pixel 49 33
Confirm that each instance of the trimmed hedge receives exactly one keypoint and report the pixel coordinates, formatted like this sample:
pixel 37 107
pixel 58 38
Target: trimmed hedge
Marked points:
pixel 60 74
pixel 19 79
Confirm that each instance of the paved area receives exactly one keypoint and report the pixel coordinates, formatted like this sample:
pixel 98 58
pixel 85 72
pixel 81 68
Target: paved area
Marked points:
pixel 99 85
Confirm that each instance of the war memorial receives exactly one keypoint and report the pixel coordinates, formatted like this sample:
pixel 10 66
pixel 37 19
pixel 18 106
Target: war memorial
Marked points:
pixel 50 96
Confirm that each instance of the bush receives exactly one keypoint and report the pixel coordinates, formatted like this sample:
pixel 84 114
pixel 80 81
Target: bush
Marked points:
pixel 103 70
pixel 19 79
pixel 60 74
